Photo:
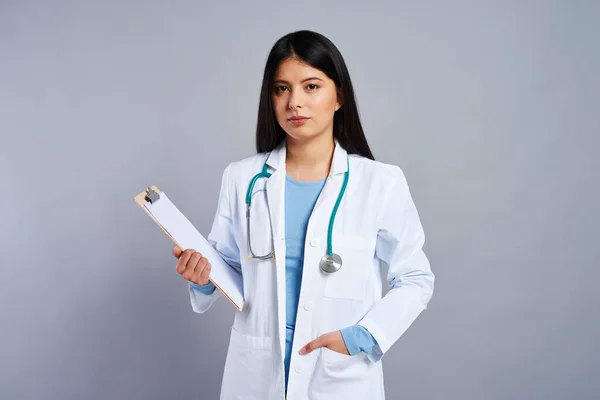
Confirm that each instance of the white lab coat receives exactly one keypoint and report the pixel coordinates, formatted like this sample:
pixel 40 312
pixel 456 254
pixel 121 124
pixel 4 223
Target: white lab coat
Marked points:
pixel 376 221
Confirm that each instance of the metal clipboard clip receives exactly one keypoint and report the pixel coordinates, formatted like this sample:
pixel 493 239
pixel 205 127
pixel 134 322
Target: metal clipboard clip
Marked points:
pixel 151 196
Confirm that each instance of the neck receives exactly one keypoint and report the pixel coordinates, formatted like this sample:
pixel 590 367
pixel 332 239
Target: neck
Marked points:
pixel 309 160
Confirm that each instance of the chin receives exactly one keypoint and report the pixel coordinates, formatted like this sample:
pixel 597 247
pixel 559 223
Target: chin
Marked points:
pixel 300 136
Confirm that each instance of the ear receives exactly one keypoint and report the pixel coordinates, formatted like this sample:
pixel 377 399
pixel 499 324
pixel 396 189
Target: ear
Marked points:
pixel 340 100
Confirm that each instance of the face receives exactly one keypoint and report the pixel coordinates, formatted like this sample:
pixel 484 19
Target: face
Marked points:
pixel 304 100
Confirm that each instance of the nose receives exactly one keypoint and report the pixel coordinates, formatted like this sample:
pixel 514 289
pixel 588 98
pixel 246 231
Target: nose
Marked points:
pixel 295 100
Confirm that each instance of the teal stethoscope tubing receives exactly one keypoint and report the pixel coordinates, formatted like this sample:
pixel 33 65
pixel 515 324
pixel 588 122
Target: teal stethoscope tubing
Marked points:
pixel 265 174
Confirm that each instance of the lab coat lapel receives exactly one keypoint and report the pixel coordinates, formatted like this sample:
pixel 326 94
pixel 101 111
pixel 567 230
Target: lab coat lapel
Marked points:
pixel 276 191
pixel 333 185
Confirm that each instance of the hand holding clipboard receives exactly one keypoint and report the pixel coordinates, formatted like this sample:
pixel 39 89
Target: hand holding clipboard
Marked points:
pixel 193 266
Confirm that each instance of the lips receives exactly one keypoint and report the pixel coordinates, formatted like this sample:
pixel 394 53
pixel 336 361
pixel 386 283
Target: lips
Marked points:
pixel 297 120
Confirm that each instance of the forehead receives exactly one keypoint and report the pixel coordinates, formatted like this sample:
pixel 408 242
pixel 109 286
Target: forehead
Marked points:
pixel 293 69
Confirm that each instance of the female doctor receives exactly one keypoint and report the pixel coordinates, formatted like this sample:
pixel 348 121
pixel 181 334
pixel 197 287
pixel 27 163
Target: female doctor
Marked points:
pixel 322 217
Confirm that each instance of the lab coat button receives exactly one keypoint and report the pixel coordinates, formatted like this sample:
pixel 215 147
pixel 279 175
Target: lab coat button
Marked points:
pixel 308 306
pixel 298 368
pixel 314 242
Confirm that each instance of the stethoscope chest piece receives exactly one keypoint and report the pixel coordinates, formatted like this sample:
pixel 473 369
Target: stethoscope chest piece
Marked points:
pixel 330 263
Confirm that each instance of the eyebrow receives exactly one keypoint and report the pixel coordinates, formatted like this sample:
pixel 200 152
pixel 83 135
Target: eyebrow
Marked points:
pixel 304 80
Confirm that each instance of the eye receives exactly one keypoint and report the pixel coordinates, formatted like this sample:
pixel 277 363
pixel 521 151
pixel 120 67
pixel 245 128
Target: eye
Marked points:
pixel 312 86
pixel 279 89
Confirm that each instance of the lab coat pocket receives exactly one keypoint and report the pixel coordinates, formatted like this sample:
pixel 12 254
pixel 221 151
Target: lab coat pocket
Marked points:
pixel 340 376
pixel 333 357
pixel 357 255
pixel 248 367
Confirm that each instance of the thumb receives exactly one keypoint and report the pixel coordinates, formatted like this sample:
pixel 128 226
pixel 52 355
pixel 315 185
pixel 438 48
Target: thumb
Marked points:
pixel 310 346
pixel 177 251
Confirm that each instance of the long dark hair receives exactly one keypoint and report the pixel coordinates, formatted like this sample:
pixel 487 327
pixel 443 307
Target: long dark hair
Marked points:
pixel 319 52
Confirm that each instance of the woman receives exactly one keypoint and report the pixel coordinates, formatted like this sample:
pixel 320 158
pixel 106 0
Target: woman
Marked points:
pixel 310 328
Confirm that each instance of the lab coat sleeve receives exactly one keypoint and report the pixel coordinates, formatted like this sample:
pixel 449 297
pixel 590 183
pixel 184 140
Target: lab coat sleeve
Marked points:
pixel 400 242
pixel 222 238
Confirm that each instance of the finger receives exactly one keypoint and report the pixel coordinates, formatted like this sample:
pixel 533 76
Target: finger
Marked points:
pixel 198 270
pixel 310 346
pixel 183 259
pixel 205 274
pixel 192 264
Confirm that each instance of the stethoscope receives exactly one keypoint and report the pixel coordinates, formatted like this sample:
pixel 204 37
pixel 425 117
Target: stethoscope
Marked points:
pixel 330 262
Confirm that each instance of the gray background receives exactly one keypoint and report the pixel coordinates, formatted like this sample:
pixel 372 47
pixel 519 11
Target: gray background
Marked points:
pixel 491 109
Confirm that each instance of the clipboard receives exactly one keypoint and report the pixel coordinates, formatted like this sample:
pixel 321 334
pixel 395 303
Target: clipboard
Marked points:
pixel 151 196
